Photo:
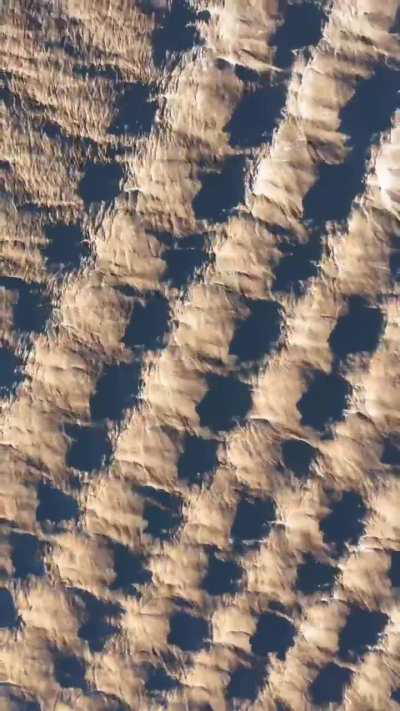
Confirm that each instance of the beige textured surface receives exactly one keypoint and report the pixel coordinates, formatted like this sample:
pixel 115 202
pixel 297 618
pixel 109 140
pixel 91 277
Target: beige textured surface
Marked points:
pixel 91 310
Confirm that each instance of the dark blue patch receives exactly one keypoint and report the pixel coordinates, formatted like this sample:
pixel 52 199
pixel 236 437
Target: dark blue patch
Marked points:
pixel 394 570
pixel 253 521
pixel 370 109
pixel 161 497
pixel 69 671
pixel 367 113
pixel 299 263
pixel 162 511
pixel 391 452
pixel 135 111
pixel 188 632
pixel 199 458
pixel 245 74
pixel 274 634
pixel 223 576
pixel 158 681
pixel 90 448
pixel 396 695
pixel 220 191
pixel 148 324
pixel 185 257
pixel 360 632
pixel 246 682
pixel 259 333
pixel 98 627
pixel 97 71
pixel 332 196
pixel 176 31
pixel 52 130
pixel 394 259
pixel 66 248
pixel 101 182
pixel 54 505
pixel 26 555
pixel 328 687
pixel 313 576
pixel 324 401
pixel 302 27
pixel 357 331
pixel 345 522
pixel 394 266
pixel 277 606
pixel 8 613
pixel 17 698
pixel 297 456
pixel 117 390
pixel 256 116
pixel 10 372
pixel 130 571
pixel 225 404
pixel 32 309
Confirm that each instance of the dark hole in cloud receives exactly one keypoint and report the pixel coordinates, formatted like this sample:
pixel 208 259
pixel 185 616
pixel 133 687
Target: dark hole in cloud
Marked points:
pixel 274 634
pixel 10 372
pixel 298 264
pixel 101 182
pixel 90 447
pixel 148 323
pixel 130 571
pixel 226 403
pixel 391 451
pixel 100 620
pixel 26 555
pixel 54 505
pixel 302 27
pixel 245 74
pixel 15 699
pixel 188 632
pixel 223 576
pixel 8 613
pixel 313 576
pixel 66 248
pixel 258 334
pixel 396 695
pixel 183 259
pixel 257 114
pixel 199 458
pixel 221 191
pixel 32 308
pixel 69 671
pixel 329 685
pixel 345 522
pixel 246 682
pixel 162 511
pixel 361 631
pixel 365 115
pixel 252 521
pixel 97 71
pixel 394 570
pixel 117 389
pixel 324 401
pixel 158 681
pixel 176 30
pixel 135 110
pixel 297 456
pixel 358 330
